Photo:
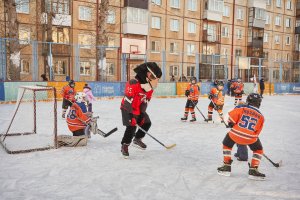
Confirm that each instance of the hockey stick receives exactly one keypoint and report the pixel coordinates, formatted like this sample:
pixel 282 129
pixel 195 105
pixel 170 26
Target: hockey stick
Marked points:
pixel 279 164
pixel 167 147
pixel 205 119
pixel 222 119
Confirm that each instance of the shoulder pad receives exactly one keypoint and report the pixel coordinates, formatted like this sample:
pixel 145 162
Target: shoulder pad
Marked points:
pixel 133 81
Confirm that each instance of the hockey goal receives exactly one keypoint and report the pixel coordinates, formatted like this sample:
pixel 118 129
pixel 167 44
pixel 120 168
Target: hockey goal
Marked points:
pixel 33 122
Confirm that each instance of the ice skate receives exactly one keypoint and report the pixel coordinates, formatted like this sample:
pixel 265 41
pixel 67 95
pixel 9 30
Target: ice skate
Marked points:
pixel 139 144
pixel 124 150
pixel 184 119
pixel 254 174
pixel 225 170
pixel 193 119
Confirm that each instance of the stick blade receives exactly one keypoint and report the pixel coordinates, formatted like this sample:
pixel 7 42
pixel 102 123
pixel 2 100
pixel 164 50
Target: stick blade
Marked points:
pixel 279 164
pixel 171 146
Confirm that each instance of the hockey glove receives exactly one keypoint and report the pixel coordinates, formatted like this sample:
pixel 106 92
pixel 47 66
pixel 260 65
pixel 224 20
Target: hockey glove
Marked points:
pixel 187 93
pixel 230 124
pixel 132 121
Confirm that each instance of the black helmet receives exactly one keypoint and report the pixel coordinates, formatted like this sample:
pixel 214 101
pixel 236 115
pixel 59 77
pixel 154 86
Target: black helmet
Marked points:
pixel 72 83
pixel 193 78
pixel 220 83
pixel 254 99
pixel 141 71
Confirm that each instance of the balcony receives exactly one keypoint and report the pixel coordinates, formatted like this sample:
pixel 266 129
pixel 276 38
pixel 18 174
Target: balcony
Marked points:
pixel 213 15
pixel 257 4
pixel 58 49
pixel 297 30
pixel 210 38
pixel 137 25
pixel 257 42
pixel 58 20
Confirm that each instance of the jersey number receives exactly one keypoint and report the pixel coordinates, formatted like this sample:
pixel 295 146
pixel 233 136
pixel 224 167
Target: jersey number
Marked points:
pixel 248 122
pixel 72 114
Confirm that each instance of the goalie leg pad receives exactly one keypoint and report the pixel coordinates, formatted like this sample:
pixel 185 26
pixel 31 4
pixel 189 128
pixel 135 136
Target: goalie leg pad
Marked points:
pixel 71 141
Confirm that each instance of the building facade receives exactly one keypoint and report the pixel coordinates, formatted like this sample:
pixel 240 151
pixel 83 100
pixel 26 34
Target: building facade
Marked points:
pixel 209 39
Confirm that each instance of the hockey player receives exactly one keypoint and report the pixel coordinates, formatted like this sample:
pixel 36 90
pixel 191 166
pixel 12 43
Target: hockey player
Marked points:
pixel 217 101
pixel 68 92
pixel 246 123
pixel 238 89
pixel 138 93
pixel 192 93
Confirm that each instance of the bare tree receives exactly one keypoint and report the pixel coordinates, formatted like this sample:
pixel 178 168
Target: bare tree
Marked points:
pixel 13 70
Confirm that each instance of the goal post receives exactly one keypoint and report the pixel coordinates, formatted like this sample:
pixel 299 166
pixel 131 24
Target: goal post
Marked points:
pixel 33 122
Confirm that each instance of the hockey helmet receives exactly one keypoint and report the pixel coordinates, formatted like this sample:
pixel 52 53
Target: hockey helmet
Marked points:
pixel 254 99
pixel 193 80
pixel 72 83
pixel 148 75
pixel 239 80
pixel 220 85
pixel 80 97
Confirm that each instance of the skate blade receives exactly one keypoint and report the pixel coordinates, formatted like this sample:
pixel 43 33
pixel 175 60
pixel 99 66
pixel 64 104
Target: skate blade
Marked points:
pixel 257 178
pixel 137 146
pixel 125 157
pixel 224 173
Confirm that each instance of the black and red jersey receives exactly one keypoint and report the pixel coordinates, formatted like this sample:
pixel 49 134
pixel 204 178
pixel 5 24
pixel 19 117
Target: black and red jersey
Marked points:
pixel 135 99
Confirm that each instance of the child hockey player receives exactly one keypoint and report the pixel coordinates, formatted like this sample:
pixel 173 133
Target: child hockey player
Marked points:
pixel 217 101
pixel 238 89
pixel 192 93
pixel 90 97
pixel 68 92
pixel 138 93
pixel 246 123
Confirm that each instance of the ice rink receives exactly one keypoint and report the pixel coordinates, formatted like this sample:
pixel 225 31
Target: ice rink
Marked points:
pixel 186 172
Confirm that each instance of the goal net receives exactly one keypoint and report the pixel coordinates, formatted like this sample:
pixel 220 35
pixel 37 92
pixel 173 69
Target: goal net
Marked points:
pixel 33 122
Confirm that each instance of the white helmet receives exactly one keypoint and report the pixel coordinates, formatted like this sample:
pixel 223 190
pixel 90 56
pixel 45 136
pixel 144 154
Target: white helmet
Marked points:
pixel 80 97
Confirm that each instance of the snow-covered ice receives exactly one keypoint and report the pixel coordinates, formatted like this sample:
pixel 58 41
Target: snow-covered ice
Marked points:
pixel 186 172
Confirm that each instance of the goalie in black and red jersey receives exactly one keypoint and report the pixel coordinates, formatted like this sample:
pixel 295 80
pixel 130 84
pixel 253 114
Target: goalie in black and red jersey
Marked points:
pixel 138 93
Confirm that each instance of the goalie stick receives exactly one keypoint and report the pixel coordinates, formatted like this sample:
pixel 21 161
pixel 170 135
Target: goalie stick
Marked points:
pixel 279 164
pixel 167 147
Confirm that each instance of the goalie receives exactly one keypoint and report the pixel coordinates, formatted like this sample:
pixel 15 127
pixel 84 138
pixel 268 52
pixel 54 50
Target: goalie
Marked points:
pixel 79 123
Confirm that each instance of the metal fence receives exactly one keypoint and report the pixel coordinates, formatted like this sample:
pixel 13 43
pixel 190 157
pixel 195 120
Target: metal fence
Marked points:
pixel 83 62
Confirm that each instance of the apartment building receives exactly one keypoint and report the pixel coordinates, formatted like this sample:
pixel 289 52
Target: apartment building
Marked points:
pixel 201 38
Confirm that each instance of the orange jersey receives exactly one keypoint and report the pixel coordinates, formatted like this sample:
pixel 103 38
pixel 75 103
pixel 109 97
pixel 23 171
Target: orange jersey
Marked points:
pixel 237 87
pixel 194 92
pixel 76 119
pixel 248 123
pixel 217 96
pixel 68 92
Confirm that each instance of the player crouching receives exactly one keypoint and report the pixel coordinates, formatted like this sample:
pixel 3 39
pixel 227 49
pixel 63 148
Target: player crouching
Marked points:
pixel 216 101
pixel 192 93
pixel 246 123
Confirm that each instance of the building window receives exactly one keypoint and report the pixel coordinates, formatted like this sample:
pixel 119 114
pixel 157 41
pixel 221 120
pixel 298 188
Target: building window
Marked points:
pixel 289 5
pixel 60 67
pixel 269 2
pixel 288 40
pixel 173 47
pixel 190 71
pixel 85 41
pixel 173 70
pixel 288 22
pixel 22 6
pixel 278 3
pixel 60 35
pixel 85 13
pixel 174 25
pixel 111 17
pixel 211 32
pixel 239 34
pixel 226 11
pixel 110 69
pixel 225 51
pixel 190 49
pixel 265 54
pixel 157 2
pixel 277 39
pixel 136 15
pixel 260 13
pixel 156 22
pixel 58 6
pixel 215 5
pixel 266 37
pixel 267 19
pixel 240 14
pixel 24 35
pixel 192 5
pixel 277 20
pixel 288 57
pixel 25 66
pixel 85 68
pixel 238 52
pixel 191 27
pixel 155 46
pixel 225 31
pixel 110 43
pixel 175 3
